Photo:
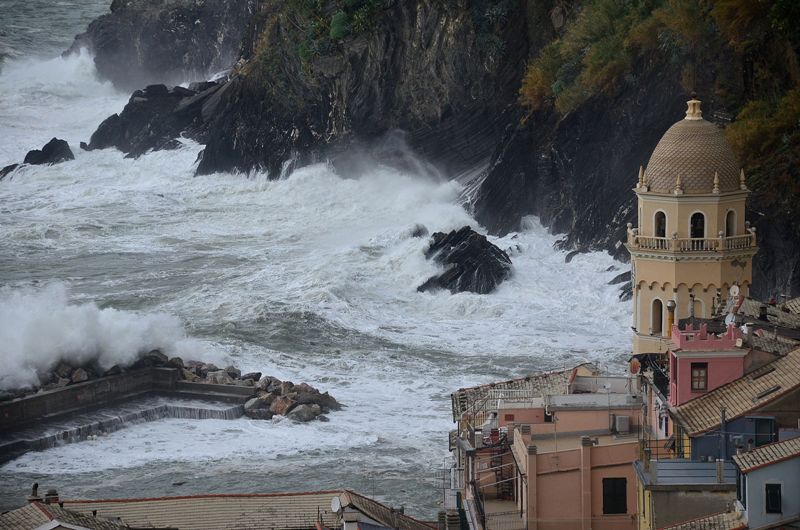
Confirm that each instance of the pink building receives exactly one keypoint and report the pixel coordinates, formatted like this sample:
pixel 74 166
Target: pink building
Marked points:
pixel 700 361
pixel 549 451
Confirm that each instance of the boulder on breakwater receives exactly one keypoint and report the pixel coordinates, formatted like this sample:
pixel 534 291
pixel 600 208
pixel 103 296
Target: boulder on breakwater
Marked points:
pixel 272 397
pixel 473 263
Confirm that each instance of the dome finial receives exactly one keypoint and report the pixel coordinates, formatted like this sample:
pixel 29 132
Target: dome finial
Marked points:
pixel 716 182
pixel 678 186
pixel 694 112
pixel 742 183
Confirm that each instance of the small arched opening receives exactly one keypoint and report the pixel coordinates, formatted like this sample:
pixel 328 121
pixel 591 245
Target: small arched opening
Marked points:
pixel 660 224
pixel 730 223
pixel 656 317
pixel 697 225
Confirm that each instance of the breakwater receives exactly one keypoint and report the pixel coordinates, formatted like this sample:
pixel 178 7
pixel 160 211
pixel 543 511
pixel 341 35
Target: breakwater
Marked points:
pixel 94 408
pixel 80 427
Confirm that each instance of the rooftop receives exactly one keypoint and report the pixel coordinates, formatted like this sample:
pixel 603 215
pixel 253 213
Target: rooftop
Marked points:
pixel 717 521
pixel 474 399
pixel 768 454
pixel 741 396
pixel 550 443
pixel 679 473
pixel 38 514
pixel 253 511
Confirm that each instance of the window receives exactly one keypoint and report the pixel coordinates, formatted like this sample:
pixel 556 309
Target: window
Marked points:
pixel 660 222
pixel 773 493
pixel 615 495
pixel 699 377
pixel 697 225
pixel 765 430
pixel 508 417
pixel 741 488
pixel 656 317
pixel 730 223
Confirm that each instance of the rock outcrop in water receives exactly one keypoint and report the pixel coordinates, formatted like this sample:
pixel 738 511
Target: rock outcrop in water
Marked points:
pixel 53 152
pixel 155 116
pixel 141 42
pixel 473 263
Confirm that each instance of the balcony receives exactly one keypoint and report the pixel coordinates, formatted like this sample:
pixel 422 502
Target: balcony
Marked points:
pixel 690 244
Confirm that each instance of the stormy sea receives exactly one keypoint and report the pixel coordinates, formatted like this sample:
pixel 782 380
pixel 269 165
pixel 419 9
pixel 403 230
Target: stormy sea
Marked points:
pixel 309 278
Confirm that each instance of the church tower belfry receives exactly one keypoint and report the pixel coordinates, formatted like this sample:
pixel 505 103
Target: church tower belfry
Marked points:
pixel 692 243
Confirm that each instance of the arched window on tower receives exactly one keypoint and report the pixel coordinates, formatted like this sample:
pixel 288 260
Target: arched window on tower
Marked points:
pixel 656 317
pixel 697 225
pixel 730 223
pixel 660 223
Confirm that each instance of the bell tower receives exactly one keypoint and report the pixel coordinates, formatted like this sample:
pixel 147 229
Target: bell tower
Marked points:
pixel 693 242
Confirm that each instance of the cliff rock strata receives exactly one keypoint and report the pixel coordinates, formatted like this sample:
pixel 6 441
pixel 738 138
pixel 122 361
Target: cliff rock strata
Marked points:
pixel 142 42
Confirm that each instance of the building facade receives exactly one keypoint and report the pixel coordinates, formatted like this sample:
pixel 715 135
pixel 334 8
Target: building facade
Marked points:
pixel 692 243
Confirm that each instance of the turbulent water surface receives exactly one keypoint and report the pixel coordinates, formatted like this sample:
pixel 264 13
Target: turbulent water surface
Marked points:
pixel 311 278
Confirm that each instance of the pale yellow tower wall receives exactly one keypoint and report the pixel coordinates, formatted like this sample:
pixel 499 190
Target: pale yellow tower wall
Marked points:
pixel 685 271
pixel 679 209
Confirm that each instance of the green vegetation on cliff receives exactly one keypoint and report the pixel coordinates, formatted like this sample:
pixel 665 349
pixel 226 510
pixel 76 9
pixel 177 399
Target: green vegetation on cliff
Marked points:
pixel 741 53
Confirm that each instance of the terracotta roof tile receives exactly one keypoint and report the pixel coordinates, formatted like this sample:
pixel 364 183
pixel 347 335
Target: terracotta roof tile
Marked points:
pixel 768 454
pixel 550 383
pixel 266 511
pixel 36 514
pixel 743 395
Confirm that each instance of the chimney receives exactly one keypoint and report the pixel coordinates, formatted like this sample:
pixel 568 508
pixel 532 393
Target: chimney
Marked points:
pixel 34 496
pixel 720 471
pixel 453 520
pixel 441 520
pixel 51 497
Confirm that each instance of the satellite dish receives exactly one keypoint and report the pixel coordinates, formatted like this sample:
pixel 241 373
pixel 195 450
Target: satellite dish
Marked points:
pixel 336 504
pixel 730 318
pixel 734 290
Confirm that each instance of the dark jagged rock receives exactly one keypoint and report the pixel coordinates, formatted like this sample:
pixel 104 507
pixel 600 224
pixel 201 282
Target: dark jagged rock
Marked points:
pixel 474 264
pixel 575 172
pixel 143 42
pixel 53 152
pixel 7 170
pixel 153 119
pixel 626 290
pixel 621 278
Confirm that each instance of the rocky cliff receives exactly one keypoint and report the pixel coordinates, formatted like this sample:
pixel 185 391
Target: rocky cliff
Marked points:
pixel 141 42
pixel 311 80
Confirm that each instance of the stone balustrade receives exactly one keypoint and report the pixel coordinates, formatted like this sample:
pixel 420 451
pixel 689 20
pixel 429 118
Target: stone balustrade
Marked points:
pixel 690 244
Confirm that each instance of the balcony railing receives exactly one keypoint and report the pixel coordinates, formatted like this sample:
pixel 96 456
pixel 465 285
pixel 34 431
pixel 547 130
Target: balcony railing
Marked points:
pixel 690 244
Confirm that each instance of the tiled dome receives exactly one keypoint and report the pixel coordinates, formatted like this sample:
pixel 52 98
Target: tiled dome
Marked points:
pixel 693 149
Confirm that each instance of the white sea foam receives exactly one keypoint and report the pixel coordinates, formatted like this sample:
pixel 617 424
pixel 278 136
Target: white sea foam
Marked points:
pixel 312 278
pixel 42 99
pixel 39 327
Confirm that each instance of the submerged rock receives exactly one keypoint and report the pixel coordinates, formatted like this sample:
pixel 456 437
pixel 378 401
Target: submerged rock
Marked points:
pixel 474 264
pixel 8 170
